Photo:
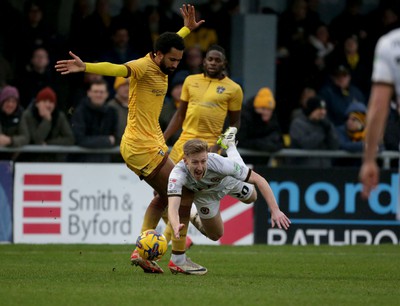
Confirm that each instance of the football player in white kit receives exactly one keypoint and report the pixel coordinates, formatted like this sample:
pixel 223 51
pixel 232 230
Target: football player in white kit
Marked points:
pixel 386 85
pixel 211 177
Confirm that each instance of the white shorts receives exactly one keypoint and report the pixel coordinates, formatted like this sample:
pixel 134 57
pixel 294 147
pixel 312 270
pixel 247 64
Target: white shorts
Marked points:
pixel 207 201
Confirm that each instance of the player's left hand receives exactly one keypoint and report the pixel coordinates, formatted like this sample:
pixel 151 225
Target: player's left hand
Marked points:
pixel 189 17
pixel 279 219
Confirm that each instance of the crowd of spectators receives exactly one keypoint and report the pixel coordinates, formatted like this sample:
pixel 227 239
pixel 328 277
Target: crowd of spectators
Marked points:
pixel 322 81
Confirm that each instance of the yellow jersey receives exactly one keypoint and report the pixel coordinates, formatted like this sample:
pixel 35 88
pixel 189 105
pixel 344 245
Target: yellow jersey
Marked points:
pixel 208 100
pixel 147 89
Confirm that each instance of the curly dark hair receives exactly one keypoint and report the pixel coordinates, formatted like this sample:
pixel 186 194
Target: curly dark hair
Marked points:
pixel 167 41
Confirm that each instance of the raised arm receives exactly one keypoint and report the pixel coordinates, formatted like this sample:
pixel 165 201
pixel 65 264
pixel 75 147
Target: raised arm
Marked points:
pixel 189 20
pixel 75 65
pixel 277 216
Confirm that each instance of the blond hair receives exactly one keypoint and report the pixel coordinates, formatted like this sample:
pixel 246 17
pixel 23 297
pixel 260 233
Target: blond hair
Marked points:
pixel 195 146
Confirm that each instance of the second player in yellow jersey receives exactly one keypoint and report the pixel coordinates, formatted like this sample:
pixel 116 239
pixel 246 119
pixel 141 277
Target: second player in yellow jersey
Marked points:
pixel 206 100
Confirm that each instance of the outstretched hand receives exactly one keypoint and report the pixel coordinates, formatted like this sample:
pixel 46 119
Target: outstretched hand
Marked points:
pixel 279 218
pixel 70 66
pixel 188 13
pixel 177 230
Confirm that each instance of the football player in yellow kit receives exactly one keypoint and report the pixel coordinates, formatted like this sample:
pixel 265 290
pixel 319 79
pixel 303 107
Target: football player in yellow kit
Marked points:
pixel 206 99
pixel 143 146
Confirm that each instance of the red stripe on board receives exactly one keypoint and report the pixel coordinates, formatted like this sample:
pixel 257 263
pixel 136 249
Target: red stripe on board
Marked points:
pixel 40 195
pixel 42 228
pixel 42 212
pixel 42 179
pixel 227 201
pixel 238 227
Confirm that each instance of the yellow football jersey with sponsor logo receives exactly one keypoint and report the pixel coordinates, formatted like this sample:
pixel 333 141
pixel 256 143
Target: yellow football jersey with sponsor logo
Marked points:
pixel 208 100
pixel 148 86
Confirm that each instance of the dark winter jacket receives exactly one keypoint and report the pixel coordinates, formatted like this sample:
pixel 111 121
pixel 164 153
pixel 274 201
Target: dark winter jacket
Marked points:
pixel 337 101
pixel 12 127
pixel 313 135
pixel 256 134
pixel 41 131
pixel 92 127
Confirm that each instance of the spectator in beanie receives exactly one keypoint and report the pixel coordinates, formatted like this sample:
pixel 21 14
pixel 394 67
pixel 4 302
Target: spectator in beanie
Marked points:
pixel 313 131
pixel 47 125
pixel 12 132
pixel 259 125
pixel 352 133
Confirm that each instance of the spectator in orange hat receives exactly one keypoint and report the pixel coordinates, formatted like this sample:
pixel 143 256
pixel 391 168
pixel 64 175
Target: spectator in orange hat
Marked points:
pixel 259 125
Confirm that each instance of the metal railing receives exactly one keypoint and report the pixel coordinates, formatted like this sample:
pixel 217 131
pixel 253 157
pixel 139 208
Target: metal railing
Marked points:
pixel 385 156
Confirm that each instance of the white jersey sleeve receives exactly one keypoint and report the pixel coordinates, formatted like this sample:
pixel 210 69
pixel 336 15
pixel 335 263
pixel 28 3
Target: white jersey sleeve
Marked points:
pixel 386 68
pixel 177 179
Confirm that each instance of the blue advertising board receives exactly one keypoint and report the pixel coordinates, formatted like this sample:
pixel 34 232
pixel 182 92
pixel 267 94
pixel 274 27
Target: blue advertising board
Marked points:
pixel 6 179
pixel 326 207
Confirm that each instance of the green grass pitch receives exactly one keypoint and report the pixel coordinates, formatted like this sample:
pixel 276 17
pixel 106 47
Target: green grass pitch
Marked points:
pixel 238 275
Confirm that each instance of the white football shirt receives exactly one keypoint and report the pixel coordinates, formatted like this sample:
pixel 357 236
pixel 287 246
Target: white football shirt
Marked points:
pixel 218 168
pixel 387 61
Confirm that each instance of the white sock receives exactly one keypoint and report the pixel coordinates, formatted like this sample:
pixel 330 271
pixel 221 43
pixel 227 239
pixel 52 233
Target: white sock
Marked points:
pixel 178 259
pixel 233 154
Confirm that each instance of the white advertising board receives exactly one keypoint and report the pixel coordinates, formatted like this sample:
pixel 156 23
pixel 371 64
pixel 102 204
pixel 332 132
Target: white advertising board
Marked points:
pixel 98 203
pixel 78 203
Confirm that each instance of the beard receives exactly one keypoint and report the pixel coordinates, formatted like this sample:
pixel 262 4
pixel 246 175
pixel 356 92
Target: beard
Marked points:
pixel 165 69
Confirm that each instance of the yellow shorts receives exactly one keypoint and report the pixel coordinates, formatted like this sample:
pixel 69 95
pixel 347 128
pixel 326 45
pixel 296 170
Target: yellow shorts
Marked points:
pixel 143 164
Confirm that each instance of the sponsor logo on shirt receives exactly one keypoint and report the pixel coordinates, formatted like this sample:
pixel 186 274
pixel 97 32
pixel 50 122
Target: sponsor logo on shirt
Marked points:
pixel 159 92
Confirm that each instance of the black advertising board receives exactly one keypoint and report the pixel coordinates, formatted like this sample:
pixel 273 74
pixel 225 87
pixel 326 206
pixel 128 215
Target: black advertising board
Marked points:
pixel 325 207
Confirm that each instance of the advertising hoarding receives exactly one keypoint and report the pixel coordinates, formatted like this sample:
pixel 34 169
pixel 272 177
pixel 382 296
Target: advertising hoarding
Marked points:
pixel 325 207
pixel 99 203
